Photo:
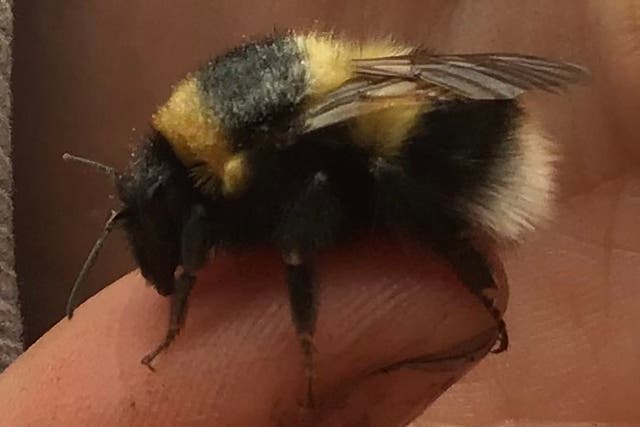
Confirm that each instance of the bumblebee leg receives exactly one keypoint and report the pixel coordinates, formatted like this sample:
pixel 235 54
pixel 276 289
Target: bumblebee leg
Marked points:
pixel 179 298
pixel 302 300
pixel 474 270
pixel 400 197
pixel 311 222
pixel 195 248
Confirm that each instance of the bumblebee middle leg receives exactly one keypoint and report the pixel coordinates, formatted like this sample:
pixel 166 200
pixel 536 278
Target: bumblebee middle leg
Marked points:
pixel 311 222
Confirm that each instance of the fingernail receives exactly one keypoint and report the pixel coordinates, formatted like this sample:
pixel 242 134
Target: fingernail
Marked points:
pixel 397 393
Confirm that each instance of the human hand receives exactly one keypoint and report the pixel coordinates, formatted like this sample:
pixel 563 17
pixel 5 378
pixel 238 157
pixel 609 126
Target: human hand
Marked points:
pixel 237 362
pixel 573 311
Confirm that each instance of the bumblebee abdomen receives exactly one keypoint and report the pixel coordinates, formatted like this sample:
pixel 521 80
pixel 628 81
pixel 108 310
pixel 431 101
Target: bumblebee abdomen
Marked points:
pixel 329 59
pixel 484 161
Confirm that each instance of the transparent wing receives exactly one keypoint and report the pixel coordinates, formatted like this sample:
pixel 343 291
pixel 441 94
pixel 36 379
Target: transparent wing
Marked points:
pixel 477 76
pixel 423 78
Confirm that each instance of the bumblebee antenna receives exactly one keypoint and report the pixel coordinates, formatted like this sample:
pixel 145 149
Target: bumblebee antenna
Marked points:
pixel 97 165
pixel 91 259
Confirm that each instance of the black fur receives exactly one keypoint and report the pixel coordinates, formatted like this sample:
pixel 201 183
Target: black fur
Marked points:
pixel 157 195
pixel 459 148
pixel 316 193
pixel 255 87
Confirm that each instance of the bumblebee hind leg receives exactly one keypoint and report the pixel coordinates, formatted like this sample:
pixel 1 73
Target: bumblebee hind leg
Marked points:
pixel 410 206
pixel 195 248
pixel 311 222
pixel 475 271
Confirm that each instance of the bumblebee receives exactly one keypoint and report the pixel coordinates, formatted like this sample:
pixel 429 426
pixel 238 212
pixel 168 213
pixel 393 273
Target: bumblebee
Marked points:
pixel 304 140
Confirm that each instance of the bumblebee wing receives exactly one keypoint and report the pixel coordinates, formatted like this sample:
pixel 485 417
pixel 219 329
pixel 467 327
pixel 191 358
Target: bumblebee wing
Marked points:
pixel 423 78
pixel 363 96
pixel 476 76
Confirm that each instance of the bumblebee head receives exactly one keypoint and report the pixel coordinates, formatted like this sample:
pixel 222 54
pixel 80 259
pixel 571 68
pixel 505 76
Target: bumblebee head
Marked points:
pixel 156 195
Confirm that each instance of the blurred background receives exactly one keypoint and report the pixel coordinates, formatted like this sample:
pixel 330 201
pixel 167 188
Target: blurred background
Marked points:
pixel 88 75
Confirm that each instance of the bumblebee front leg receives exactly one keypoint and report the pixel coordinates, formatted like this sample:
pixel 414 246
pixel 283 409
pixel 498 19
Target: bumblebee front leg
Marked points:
pixel 311 222
pixel 195 245
pixel 179 299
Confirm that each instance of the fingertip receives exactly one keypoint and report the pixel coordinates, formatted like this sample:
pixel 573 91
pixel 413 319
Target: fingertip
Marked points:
pixel 237 360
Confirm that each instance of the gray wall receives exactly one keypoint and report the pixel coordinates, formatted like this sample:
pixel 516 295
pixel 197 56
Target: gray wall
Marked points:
pixel 10 324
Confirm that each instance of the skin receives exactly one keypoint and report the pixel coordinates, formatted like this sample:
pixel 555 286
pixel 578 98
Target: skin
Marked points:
pixel 572 313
